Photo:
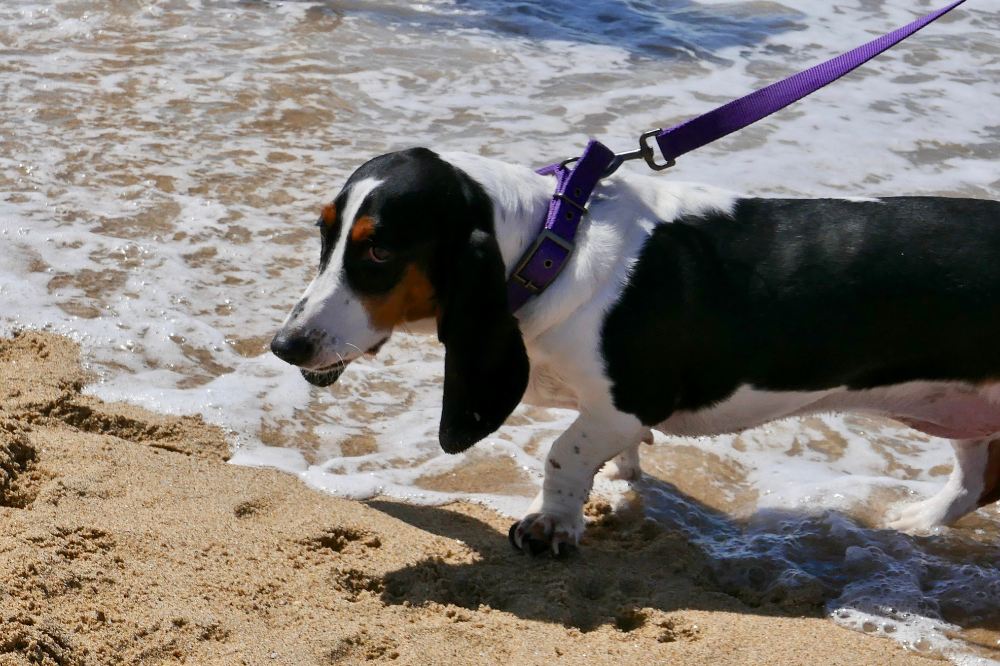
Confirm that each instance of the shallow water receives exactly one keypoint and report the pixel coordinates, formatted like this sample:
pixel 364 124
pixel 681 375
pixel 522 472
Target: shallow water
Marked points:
pixel 161 164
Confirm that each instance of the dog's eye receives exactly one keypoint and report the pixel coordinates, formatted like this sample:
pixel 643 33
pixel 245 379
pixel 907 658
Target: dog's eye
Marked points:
pixel 379 255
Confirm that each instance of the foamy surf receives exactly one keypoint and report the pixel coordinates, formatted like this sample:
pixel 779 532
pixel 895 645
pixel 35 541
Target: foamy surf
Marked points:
pixel 161 165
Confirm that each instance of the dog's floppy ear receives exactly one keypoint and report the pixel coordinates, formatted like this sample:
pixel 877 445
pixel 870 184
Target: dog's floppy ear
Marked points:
pixel 485 365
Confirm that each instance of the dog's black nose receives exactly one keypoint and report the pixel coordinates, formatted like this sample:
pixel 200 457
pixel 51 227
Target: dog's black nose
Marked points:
pixel 294 349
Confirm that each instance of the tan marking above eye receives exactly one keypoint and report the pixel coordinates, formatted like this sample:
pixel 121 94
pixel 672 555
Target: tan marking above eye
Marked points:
pixel 411 299
pixel 329 214
pixel 362 229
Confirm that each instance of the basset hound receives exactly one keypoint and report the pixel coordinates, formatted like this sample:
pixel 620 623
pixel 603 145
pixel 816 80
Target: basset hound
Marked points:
pixel 683 308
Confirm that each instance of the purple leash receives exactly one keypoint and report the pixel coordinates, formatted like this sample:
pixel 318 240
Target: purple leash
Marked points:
pixel 744 111
pixel 550 252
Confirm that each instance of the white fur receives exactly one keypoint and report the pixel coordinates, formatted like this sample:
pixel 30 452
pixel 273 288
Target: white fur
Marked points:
pixel 935 403
pixel 561 329
pixel 332 316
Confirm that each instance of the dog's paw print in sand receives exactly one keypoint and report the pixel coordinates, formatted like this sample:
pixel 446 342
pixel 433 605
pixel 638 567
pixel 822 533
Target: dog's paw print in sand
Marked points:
pixel 353 582
pixel 19 472
pixel 337 539
pixel 41 384
pixel 364 646
pixel 629 619
pixel 342 543
pixel 47 646
pixel 167 639
pixel 71 543
pixel 252 508
pixel 675 628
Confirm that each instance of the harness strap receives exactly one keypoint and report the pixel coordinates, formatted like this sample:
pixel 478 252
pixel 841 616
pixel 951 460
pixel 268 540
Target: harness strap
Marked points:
pixel 547 257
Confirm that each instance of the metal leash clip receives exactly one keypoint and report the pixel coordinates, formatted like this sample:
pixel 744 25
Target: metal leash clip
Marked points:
pixel 645 152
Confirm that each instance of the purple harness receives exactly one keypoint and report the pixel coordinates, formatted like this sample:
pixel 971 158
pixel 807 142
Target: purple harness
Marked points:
pixel 547 257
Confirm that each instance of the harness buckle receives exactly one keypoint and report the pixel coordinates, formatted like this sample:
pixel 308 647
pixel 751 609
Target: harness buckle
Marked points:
pixel 529 256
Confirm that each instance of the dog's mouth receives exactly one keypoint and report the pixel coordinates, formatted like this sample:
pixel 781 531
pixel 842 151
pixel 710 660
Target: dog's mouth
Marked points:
pixel 324 376
pixel 330 373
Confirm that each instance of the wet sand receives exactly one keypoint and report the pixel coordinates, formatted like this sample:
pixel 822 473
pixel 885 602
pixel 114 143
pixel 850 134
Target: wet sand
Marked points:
pixel 126 538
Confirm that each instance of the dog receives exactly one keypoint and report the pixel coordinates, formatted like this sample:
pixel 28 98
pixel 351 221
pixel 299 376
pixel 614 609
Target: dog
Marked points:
pixel 683 308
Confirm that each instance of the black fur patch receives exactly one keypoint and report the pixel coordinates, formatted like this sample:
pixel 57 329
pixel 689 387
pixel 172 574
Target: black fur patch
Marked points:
pixel 805 295
pixel 486 366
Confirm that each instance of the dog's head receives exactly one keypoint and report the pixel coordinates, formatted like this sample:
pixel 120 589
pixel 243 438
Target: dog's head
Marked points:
pixel 411 237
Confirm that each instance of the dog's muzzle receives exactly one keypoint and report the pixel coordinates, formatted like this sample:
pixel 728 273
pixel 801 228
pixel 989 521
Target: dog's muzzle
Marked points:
pixel 324 376
pixel 329 374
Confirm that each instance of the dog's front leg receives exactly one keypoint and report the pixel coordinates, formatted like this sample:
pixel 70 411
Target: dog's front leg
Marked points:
pixel 555 518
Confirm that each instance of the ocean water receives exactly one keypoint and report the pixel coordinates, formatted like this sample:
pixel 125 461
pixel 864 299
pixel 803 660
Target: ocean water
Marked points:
pixel 162 162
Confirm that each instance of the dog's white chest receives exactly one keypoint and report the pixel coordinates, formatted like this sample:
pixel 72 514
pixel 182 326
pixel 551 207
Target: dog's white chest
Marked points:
pixel 547 388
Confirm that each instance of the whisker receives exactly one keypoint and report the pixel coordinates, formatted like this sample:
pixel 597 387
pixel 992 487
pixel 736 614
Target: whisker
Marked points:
pixel 364 354
pixel 406 329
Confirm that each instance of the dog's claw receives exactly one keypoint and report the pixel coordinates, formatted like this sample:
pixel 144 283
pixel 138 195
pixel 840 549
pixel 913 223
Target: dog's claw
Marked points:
pixel 511 536
pixel 525 543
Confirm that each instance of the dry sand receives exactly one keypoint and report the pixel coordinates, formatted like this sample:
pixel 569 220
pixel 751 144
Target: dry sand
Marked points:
pixel 126 538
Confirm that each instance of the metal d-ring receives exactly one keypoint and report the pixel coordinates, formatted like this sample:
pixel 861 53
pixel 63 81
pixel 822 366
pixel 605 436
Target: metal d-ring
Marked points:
pixel 562 165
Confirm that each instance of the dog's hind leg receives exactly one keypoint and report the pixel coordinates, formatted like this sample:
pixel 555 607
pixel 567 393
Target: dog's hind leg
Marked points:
pixel 974 482
pixel 625 465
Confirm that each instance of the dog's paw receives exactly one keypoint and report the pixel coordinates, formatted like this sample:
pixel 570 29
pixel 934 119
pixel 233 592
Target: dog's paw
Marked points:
pixel 919 516
pixel 951 503
pixel 537 533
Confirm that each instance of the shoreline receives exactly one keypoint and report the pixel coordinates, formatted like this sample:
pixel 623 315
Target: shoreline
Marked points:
pixel 128 539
